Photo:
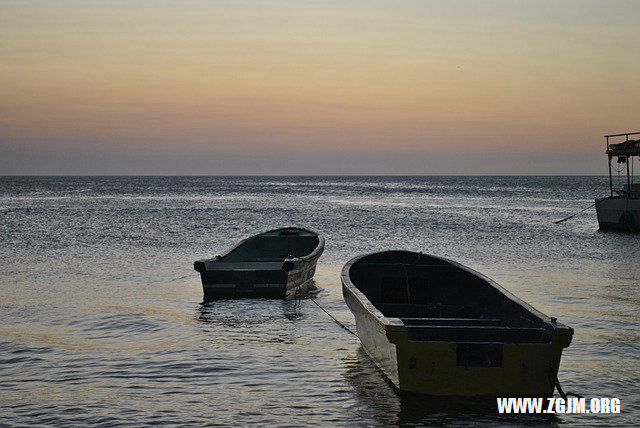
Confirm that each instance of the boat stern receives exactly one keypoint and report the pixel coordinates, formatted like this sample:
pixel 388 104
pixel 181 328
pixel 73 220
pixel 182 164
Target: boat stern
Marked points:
pixel 476 368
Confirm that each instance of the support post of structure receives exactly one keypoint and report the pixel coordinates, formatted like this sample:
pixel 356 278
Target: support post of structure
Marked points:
pixel 628 179
pixel 610 178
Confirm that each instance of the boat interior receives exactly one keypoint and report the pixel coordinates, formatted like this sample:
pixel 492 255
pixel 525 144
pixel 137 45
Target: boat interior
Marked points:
pixel 274 246
pixel 439 301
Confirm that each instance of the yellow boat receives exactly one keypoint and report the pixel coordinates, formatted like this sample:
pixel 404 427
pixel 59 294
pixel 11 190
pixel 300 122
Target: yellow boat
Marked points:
pixel 434 326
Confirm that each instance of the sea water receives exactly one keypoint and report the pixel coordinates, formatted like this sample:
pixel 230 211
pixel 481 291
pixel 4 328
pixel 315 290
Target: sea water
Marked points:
pixel 102 320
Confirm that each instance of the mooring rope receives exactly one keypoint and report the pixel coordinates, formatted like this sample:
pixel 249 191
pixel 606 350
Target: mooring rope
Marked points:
pixel 559 388
pixel 297 296
pixel 581 211
pixel 333 318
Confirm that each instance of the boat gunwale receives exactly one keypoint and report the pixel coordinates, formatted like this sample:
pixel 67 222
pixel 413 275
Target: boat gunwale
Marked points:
pixel 397 322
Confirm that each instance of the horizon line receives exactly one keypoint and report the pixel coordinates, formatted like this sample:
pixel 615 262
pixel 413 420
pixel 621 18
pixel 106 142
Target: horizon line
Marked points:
pixel 298 175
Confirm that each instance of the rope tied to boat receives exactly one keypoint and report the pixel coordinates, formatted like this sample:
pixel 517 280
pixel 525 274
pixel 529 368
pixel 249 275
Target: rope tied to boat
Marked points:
pixel 297 296
pixel 554 377
pixel 579 212
pixel 332 317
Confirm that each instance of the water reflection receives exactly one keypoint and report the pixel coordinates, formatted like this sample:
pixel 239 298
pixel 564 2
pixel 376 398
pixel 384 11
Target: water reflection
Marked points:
pixel 262 320
pixel 393 407
pixel 373 391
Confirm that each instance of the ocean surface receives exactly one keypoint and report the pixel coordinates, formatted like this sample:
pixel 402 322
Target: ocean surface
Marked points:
pixel 102 320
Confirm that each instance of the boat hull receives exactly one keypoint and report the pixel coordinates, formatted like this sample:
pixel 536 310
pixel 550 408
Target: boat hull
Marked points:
pixel 371 331
pixel 274 264
pixel 256 281
pixel 464 366
pixel 618 213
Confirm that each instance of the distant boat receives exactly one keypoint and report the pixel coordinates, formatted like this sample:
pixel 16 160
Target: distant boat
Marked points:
pixel 621 210
pixel 270 264
pixel 434 326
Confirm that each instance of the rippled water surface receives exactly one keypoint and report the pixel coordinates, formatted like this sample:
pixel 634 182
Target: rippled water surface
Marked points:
pixel 102 319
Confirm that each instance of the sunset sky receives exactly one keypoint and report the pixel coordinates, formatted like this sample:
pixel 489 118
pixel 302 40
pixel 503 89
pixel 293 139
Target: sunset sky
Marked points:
pixel 315 87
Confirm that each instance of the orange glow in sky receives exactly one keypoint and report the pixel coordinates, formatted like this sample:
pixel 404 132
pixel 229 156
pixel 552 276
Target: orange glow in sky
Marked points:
pixel 306 87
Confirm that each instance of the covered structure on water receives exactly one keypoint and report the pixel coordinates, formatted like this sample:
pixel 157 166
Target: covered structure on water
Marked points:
pixel 621 209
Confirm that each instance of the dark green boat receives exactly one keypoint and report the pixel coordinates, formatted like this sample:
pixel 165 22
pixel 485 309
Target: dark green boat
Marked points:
pixel 272 264
pixel 436 327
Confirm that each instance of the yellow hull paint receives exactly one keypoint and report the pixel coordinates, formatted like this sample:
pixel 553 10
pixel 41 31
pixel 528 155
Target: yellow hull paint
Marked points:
pixel 528 369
